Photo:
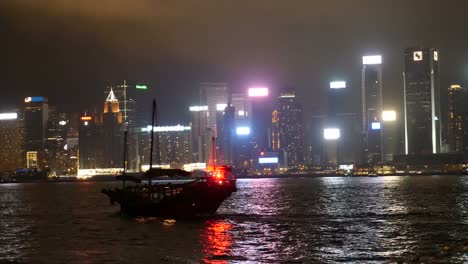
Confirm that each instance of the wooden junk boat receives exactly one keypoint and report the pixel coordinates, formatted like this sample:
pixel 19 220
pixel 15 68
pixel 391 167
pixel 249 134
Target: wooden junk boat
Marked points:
pixel 193 196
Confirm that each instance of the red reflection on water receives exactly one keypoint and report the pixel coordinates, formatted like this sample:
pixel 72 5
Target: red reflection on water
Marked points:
pixel 216 241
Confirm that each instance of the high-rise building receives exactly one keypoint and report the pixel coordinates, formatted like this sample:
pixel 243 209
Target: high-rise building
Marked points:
pixel 201 135
pixel 56 148
pixel 90 142
pixel 372 129
pixel 287 128
pixel 227 134
pixel 212 95
pixel 112 127
pixel 243 108
pixel 260 117
pixel 332 130
pixel 455 118
pixel 135 106
pixel 174 145
pixel 11 141
pixel 422 101
pixel 36 115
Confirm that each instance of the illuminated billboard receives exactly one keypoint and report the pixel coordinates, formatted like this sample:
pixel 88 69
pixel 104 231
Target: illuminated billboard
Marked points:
pixel 372 60
pixel 221 107
pixel 338 85
pixel 269 160
pixel 198 108
pixel 34 99
pixel 436 55
pixel 86 118
pixel 331 133
pixel 418 56
pixel 177 128
pixel 389 115
pixel 242 131
pixel 141 87
pixel 8 116
pixel 258 92
pixel 375 126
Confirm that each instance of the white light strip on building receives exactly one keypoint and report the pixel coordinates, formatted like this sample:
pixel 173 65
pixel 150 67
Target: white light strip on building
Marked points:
pixel 198 108
pixel 8 116
pixel 177 128
pixel 372 60
pixel 221 107
pixel 287 96
pixel 338 85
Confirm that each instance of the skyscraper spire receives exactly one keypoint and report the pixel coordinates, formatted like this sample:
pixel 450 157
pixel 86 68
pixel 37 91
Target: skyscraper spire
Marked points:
pixel 111 97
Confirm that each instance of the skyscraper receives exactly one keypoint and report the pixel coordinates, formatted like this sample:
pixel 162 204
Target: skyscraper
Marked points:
pixel 135 106
pixel 36 115
pixel 56 143
pixel 287 129
pixel 90 141
pixel 243 108
pixel 455 118
pixel 11 141
pixel 211 95
pixel 226 135
pixel 422 101
pixel 201 135
pixel 332 130
pixel 112 120
pixel 175 146
pixel 372 129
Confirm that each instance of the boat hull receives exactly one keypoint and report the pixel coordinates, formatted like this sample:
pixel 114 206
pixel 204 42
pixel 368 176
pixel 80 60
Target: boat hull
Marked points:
pixel 193 199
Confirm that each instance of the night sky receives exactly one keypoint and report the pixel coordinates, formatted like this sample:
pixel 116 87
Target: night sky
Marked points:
pixel 69 50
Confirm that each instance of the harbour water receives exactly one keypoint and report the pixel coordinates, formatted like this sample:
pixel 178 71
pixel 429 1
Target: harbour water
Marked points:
pixel 308 220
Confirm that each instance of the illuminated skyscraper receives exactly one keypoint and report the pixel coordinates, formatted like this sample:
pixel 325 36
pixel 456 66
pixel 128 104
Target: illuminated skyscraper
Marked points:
pixel 90 143
pixel 227 134
pixel 243 108
pixel 36 115
pixel 260 117
pixel 56 147
pixel 455 118
pixel 112 121
pixel 422 101
pixel 372 128
pixel 287 128
pixel 11 141
pixel 201 135
pixel 211 95
pixel 175 146
pixel 135 106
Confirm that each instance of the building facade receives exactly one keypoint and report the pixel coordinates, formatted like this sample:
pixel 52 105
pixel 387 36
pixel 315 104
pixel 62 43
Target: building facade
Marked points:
pixel 422 101
pixel 287 128
pixel 372 128
pixel 112 128
pixel 455 118
pixel 172 145
pixel 212 95
pixel 36 116
pixel 11 141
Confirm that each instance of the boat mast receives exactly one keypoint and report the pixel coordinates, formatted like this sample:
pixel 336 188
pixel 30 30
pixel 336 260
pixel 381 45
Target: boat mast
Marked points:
pixel 152 139
pixel 125 157
pixel 213 146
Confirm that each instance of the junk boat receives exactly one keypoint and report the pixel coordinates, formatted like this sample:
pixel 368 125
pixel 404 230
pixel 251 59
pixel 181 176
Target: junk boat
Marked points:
pixel 194 196
pixel 200 196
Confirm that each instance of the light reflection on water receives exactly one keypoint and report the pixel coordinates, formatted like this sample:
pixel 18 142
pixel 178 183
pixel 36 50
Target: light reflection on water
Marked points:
pixel 365 220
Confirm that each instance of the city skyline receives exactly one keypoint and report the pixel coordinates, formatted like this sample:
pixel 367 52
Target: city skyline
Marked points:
pixel 181 60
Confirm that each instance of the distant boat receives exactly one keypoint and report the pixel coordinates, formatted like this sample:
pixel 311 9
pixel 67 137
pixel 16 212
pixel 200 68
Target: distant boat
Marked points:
pixel 197 196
